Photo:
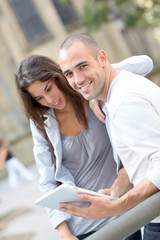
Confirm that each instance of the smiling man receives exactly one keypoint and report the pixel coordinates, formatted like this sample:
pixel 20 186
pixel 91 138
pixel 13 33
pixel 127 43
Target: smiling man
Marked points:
pixel 79 65
pixel 132 110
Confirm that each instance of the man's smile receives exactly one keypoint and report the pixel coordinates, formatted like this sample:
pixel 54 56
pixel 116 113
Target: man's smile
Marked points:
pixel 85 87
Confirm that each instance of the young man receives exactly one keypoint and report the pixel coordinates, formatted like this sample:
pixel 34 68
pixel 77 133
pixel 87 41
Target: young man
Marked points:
pixel 132 110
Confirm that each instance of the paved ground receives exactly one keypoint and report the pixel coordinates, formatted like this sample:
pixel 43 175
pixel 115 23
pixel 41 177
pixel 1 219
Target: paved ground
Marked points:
pixel 20 218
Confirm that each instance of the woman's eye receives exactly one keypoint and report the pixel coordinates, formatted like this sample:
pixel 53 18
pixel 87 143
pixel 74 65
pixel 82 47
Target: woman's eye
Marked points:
pixel 39 98
pixel 48 89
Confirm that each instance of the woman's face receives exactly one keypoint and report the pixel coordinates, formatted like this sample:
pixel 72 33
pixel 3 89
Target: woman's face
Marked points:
pixel 47 94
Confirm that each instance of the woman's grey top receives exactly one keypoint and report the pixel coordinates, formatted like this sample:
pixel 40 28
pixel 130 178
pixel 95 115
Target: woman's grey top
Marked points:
pixel 88 156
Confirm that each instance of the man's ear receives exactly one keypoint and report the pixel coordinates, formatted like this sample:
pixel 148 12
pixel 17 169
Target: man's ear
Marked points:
pixel 102 58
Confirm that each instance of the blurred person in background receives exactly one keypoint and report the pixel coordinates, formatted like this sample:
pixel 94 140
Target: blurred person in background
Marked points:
pixel 13 165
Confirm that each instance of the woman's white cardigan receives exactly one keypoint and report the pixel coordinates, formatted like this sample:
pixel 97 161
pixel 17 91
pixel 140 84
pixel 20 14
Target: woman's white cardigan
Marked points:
pixel 49 175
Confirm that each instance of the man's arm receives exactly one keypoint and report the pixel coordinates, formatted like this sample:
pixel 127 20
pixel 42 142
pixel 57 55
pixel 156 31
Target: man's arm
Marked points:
pixel 101 207
pixel 139 131
pixel 120 186
pixel 141 65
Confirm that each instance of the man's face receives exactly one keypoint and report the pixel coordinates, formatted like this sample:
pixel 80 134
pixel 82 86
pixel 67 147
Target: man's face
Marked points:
pixel 84 72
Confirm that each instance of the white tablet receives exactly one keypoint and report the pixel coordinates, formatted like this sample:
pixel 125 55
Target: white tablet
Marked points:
pixel 65 193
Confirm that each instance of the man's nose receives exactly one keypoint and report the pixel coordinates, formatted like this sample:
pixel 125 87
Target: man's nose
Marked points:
pixel 79 79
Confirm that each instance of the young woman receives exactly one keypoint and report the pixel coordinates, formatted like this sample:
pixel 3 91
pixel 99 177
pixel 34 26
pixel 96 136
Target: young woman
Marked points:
pixel 80 141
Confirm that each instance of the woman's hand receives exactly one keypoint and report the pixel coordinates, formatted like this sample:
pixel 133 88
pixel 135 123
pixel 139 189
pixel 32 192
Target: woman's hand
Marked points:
pixel 106 191
pixel 64 232
pixel 95 106
pixel 71 237
pixel 120 186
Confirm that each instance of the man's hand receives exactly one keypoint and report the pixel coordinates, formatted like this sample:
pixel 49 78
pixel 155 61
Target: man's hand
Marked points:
pixel 95 106
pixel 100 207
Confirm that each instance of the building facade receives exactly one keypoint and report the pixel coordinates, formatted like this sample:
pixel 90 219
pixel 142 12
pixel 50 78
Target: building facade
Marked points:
pixel 39 27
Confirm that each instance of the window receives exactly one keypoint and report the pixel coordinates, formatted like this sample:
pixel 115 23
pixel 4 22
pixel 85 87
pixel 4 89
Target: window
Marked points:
pixel 29 20
pixel 67 13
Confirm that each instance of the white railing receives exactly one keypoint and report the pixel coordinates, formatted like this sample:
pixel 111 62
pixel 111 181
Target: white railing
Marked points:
pixel 128 223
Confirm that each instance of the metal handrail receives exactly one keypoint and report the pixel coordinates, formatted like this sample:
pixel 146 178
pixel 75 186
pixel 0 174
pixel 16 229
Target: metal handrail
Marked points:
pixel 128 223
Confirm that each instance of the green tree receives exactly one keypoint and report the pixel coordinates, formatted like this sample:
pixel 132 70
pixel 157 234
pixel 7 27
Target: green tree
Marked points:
pixel 134 13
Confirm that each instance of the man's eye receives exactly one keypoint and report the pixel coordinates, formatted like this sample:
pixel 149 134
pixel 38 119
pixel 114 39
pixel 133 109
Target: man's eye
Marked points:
pixel 68 75
pixel 83 66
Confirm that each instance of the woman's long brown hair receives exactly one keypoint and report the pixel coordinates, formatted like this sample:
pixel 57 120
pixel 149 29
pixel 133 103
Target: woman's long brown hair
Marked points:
pixel 37 67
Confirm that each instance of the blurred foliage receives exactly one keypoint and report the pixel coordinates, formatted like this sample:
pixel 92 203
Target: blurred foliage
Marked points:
pixel 137 13
pixel 64 2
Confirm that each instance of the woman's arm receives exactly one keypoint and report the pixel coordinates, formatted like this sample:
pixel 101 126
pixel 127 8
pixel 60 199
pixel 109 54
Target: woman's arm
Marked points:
pixel 64 232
